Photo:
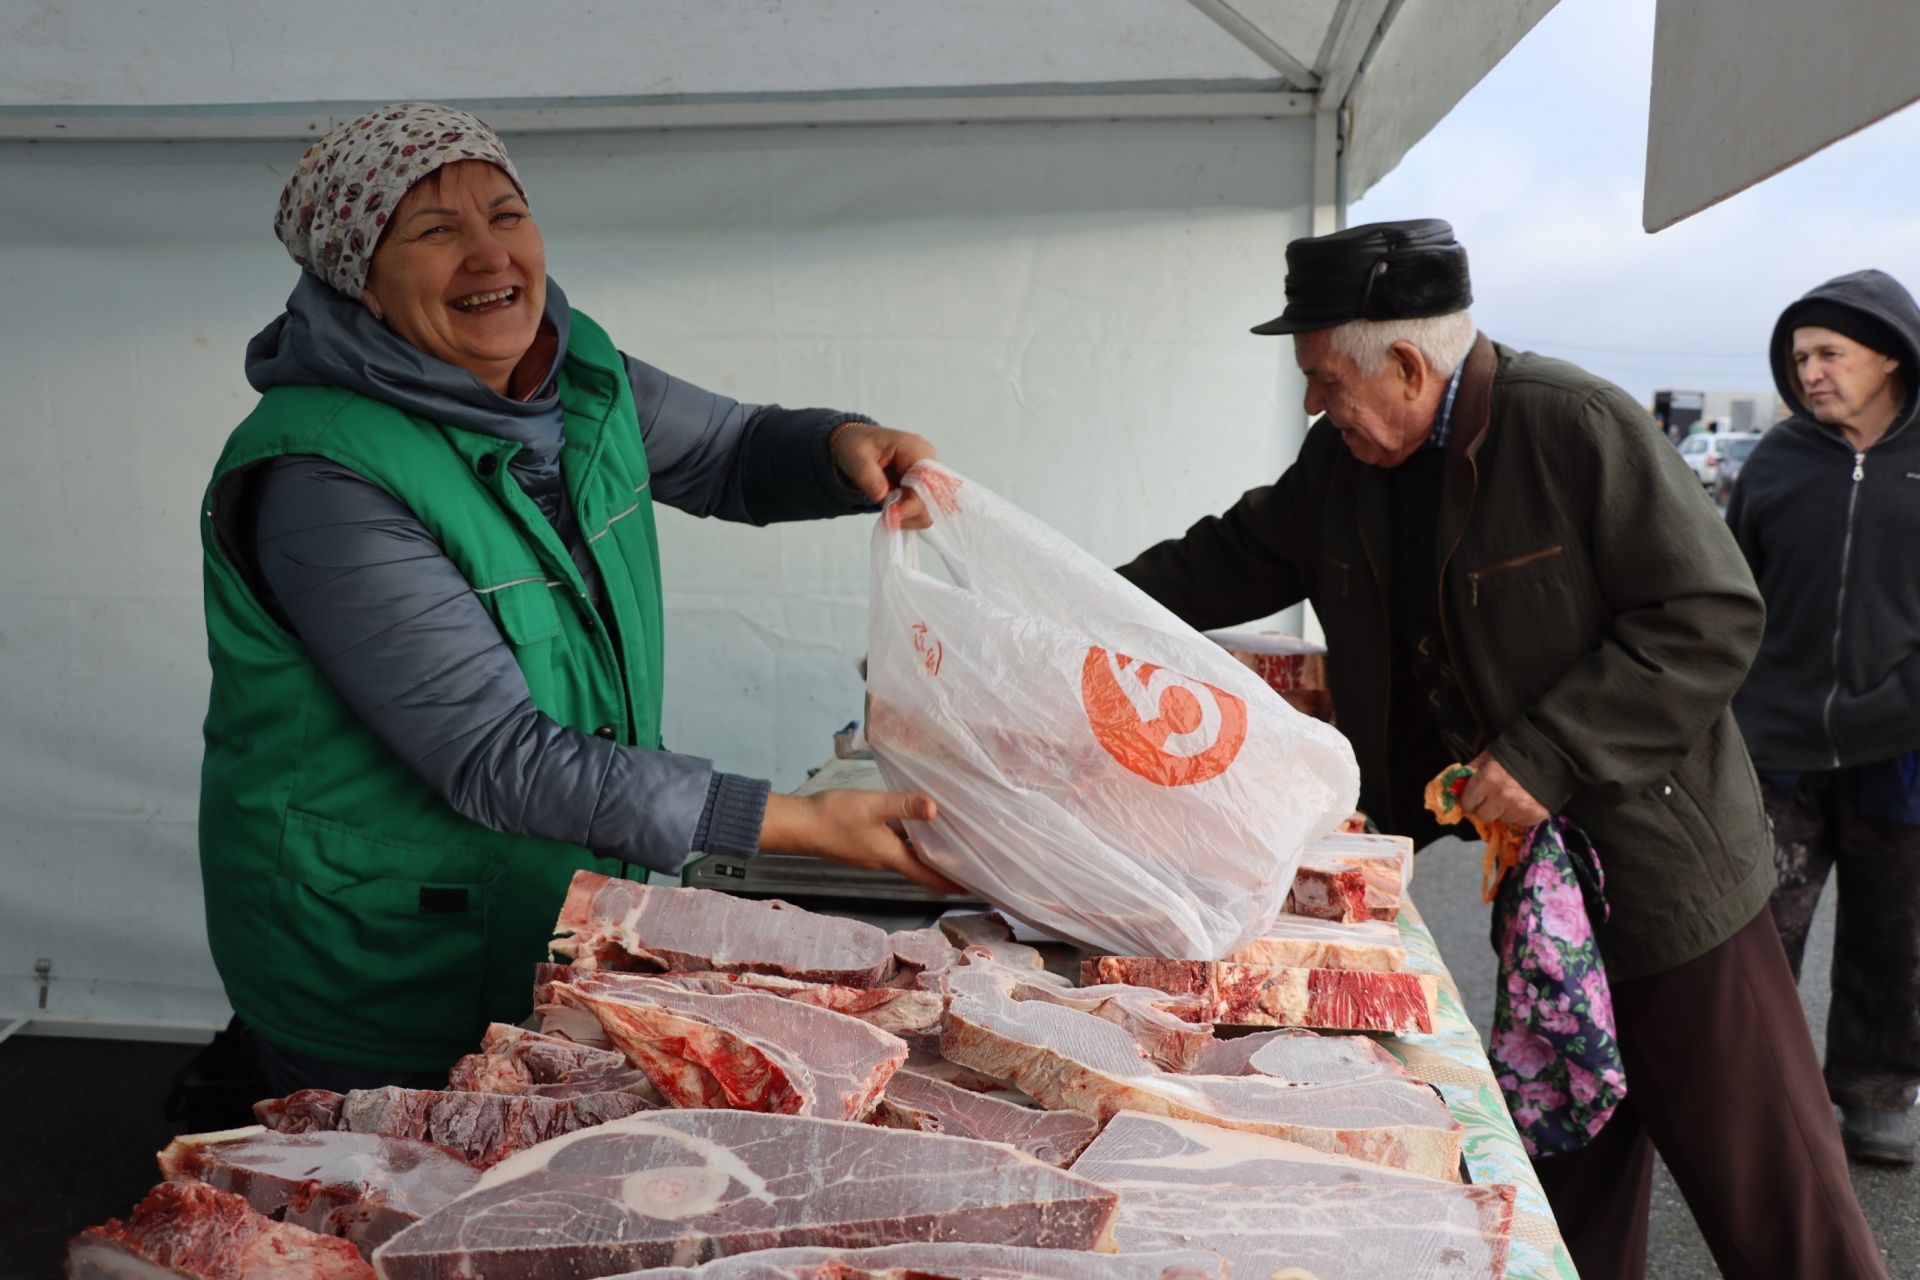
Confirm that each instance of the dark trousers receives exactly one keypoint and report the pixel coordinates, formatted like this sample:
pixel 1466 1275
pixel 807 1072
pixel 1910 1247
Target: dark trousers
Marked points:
pixel 1723 1079
pixel 287 1071
pixel 1873 1025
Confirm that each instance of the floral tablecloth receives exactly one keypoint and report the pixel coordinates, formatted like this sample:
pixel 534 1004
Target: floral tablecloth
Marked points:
pixel 1453 1060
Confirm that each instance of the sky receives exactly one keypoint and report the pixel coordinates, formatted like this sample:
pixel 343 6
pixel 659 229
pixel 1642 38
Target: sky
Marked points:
pixel 1540 170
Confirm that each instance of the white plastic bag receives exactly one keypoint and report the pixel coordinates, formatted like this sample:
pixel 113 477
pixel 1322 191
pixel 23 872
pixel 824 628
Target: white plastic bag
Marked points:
pixel 1102 770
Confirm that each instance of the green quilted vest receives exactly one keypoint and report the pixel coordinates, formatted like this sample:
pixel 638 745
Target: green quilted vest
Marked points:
pixel 352 913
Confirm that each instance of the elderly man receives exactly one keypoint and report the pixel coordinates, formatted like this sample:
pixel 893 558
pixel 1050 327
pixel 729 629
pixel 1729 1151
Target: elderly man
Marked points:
pixel 1828 513
pixel 1514 569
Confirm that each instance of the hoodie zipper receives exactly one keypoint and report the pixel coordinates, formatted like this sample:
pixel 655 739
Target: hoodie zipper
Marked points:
pixel 1840 600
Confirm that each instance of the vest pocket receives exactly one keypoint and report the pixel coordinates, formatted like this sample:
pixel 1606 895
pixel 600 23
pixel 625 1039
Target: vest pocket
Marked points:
pixel 388 936
pixel 526 612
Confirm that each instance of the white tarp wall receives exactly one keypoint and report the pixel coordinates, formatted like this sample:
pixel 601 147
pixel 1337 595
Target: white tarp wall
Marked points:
pixel 1062 308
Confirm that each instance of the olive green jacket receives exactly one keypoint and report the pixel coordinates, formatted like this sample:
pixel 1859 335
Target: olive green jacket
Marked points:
pixel 1598 612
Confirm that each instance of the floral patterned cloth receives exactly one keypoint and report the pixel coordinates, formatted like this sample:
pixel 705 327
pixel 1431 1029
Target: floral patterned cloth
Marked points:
pixel 1553 1048
pixel 334 206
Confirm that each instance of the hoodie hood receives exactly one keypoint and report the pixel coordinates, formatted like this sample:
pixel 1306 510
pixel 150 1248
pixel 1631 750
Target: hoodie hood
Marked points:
pixel 325 338
pixel 1872 293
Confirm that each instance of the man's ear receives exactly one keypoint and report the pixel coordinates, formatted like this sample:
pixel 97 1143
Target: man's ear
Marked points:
pixel 1409 365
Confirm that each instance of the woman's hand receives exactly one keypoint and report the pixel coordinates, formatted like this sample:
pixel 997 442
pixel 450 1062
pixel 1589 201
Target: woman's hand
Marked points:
pixel 858 828
pixel 872 458
pixel 1492 795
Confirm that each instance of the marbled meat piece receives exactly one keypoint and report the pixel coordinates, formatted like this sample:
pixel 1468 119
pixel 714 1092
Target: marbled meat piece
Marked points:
pixel 676 1188
pixel 515 1060
pixel 924 1058
pixel 1328 890
pixel 1071 1061
pixel 900 1010
pixel 1169 1030
pixel 742 1049
pixel 483 1128
pixel 933 1106
pixel 302 1111
pixel 940 1261
pixel 1299 1057
pixel 1256 995
pixel 1385 861
pixel 1272 1208
pixel 362 1187
pixel 989 931
pixel 1300 942
pixel 621 924
pixel 193 1231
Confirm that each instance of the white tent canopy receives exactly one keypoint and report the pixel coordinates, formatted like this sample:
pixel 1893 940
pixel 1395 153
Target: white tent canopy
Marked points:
pixel 1745 88
pixel 1034 230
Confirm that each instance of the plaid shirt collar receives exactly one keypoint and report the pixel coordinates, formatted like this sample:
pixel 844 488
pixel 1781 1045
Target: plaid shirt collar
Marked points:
pixel 1442 434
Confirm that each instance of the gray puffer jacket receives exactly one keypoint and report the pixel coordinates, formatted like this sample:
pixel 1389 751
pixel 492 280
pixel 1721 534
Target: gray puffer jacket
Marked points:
pixel 399 633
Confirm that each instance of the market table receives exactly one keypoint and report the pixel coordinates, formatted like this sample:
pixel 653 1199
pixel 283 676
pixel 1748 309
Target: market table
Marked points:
pixel 1454 1061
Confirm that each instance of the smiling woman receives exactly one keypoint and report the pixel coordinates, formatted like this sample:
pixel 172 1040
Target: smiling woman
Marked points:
pixel 434 614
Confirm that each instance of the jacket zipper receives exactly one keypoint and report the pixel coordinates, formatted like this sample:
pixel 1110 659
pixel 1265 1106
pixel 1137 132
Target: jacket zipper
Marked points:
pixel 1493 570
pixel 1840 600
pixel 1386 703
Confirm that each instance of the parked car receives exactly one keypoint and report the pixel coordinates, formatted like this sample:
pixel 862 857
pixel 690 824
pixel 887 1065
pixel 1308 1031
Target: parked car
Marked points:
pixel 1733 451
pixel 1704 452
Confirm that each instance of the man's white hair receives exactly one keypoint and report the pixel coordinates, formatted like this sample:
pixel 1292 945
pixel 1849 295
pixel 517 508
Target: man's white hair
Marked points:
pixel 1443 340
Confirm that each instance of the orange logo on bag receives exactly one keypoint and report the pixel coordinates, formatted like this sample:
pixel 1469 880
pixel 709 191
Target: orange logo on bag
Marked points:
pixel 1168 728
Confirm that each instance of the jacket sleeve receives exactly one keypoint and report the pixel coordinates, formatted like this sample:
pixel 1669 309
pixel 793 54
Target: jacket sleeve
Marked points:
pixel 1234 567
pixel 757 464
pixel 1686 617
pixel 400 635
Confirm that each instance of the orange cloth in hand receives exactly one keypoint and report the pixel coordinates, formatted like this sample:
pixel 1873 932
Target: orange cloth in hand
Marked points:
pixel 1503 842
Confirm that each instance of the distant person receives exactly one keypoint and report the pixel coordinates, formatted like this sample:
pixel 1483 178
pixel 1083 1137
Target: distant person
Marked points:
pixel 1514 570
pixel 1828 513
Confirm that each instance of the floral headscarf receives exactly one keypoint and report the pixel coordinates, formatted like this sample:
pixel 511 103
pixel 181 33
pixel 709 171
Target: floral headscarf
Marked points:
pixel 347 184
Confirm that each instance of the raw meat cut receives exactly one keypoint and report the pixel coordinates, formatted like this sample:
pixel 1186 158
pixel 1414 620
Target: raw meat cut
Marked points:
pixel 620 924
pixel 918 951
pixel 189 1229
pixel 1273 1209
pixel 303 1111
pixel 1385 861
pixel 901 1010
pixel 1072 1061
pixel 1329 890
pixel 361 1187
pixel 742 1049
pixel 1300 942
pixel 930 1261
pixel 675 1188
pixel 1300 1057
pixel 484 1128
pixel 989 931
pixel 1257 995
pixel 1169 1030
pixel 925 1059
pixel 933 1106
pixel 515 1060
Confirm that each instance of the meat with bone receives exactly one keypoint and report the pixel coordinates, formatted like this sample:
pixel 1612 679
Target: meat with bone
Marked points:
pixel 1258 995
pixel 742 1049
pixel 900 1010
pixel 1329 890
pixel 1272 1208
pixel 939 1261
pixel 920 951
pixel 619 924
pixel 1072 1061
pixel 361 1187
pixel 989 931
pixel 933 1106
pixel 675 1188
pixel 515 1060
pixel 191 1231
pixel 1386 863
pixel 925 1059
pixel 303 1111
pixel 484 1128
pixel 1301 1057
pixel 1300 942
pixel 1169 1030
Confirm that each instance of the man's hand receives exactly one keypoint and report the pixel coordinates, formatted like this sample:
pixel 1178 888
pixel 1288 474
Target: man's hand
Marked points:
pixel 872 458
pixel 1492 795
pixel 858 828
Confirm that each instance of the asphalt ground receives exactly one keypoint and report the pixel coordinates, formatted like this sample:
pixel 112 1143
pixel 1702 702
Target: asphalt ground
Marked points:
pixel 1447 889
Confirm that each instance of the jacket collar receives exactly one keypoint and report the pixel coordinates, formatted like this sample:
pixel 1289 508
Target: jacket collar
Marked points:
pixel 1473 405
